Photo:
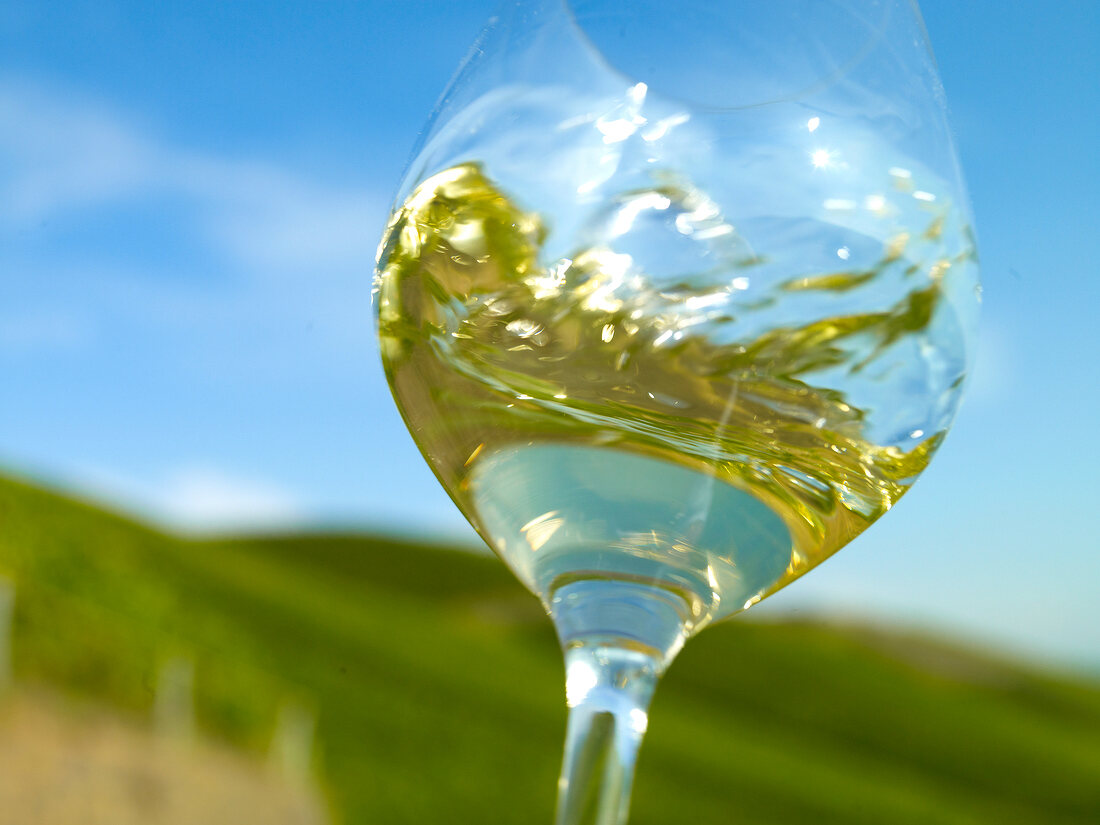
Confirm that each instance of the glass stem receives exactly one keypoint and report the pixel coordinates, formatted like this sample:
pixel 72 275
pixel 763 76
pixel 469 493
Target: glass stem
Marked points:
pixel 608 689
pixel 618 637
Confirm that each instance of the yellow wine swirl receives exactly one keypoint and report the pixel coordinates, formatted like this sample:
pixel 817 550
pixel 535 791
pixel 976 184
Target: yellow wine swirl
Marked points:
pixel 666 448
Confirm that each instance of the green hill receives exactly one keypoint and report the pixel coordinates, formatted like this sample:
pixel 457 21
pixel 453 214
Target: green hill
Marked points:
pixel 437 685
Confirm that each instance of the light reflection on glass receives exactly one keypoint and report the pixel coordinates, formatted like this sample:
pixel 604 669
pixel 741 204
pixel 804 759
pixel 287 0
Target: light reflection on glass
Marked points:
pixel 662 127
pixel 875 203
pixel 821 158
pixel 539 530
pixel 580 678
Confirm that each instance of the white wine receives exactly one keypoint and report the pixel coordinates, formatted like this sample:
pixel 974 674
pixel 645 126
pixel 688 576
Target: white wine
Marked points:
pixel 597 420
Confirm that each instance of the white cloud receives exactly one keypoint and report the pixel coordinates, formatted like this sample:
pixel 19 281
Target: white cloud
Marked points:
pixel 197 498
pixel 64 153
pixel 206 498
pixel 299 228
pixel 59 153
pixel 287 285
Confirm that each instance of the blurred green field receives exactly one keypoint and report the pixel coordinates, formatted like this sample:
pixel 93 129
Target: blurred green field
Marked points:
pixel 437 685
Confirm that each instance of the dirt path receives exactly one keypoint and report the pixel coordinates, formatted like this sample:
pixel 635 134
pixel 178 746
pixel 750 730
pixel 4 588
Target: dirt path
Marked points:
pixel 62 766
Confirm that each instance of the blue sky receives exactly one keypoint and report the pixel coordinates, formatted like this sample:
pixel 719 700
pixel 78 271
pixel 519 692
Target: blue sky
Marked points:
pixel 190 199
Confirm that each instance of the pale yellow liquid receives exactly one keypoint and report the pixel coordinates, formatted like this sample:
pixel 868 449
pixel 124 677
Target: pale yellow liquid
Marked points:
pixel 590 426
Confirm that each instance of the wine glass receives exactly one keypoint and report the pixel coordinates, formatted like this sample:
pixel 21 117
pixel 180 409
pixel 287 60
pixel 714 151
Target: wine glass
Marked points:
pixel 676 300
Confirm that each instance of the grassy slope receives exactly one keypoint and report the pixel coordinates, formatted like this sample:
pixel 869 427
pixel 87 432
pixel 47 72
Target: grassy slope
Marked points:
pixel 437 685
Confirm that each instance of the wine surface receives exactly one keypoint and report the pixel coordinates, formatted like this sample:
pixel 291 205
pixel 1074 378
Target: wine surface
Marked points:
pixel 619 415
